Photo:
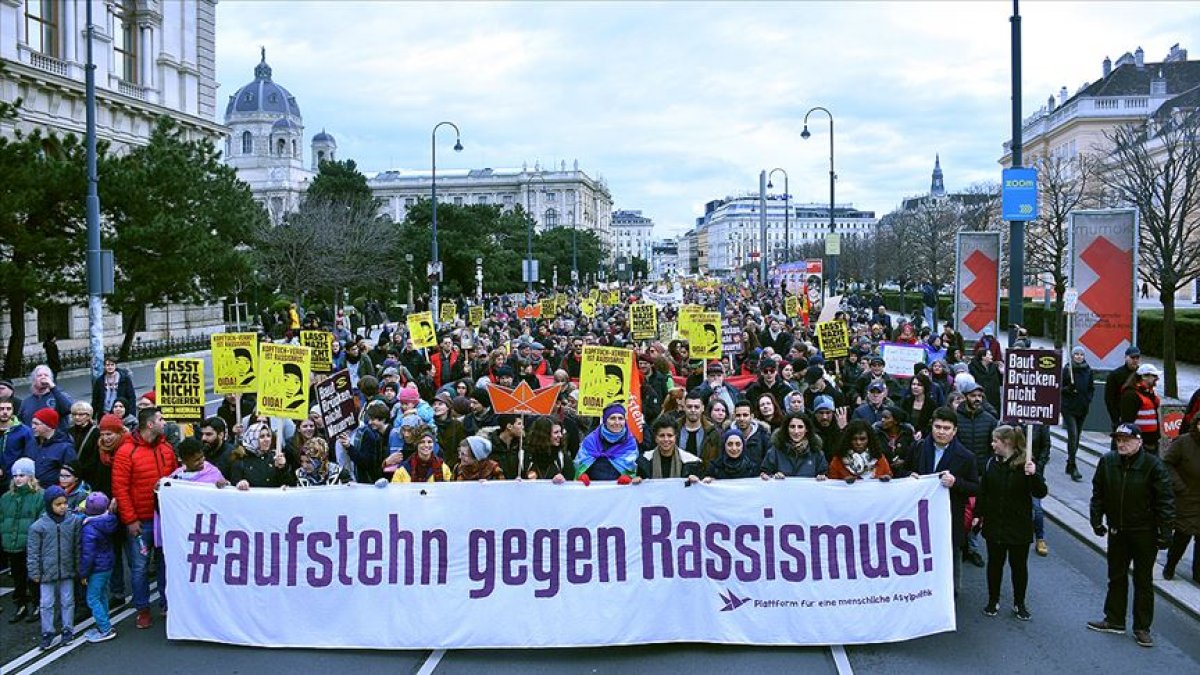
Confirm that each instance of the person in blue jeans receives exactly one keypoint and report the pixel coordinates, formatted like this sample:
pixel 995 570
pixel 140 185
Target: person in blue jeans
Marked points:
pixel 96 562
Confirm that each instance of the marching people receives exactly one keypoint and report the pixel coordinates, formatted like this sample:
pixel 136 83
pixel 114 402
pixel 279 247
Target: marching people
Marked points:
pixel 20 506
pixel 53 564
pixel 795 451
pixel 1182 459
pixel 1134 506
pixel 667 459
pixel 1078 388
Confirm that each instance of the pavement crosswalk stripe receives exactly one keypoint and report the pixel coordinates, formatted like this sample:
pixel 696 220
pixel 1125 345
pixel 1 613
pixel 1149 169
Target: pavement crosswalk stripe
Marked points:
pixel 431 663
pixel 841 660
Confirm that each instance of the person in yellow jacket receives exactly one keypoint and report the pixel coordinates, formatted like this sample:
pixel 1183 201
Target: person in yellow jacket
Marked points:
pixel 423 466
pixel 293 317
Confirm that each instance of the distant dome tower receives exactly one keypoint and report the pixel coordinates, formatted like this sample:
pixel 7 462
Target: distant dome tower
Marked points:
pixel 324 149
pixel 937 189
pixel 266 142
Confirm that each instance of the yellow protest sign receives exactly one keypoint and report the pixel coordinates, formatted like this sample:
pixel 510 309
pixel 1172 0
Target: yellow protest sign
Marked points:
pixel 791 306
pixel 179 388
pixel 475 314
pixel 686 312
pixel 605 375
pixel 449 312
pixel 283 387
pixel 594 295
pixel 704 334
pixel 588 307
pixel 643 320
pixel 234 359
pixel 321 344
pixel 834 338
pixel 546 308
pixel 614 297
pixel 420 329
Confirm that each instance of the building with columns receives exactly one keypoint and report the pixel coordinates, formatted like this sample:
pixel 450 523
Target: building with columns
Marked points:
pixel 562 197
pixel 153 58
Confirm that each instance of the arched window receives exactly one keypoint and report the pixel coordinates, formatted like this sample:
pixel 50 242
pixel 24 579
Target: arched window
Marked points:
pixel 280 147
pixel 551 219
pixel 320 156
pixel 295 153
pixel 247 143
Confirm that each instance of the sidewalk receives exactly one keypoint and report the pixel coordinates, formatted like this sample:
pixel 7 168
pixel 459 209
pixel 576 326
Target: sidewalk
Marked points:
pixel 1068 505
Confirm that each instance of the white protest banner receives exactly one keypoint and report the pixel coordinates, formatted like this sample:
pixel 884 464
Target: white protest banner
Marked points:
pixel 663 299
pixel 898 359
pixel 534 564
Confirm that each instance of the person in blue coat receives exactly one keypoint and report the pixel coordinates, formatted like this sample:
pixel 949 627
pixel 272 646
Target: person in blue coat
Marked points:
pixel 52 446
pixel 942 454
pixel 43 394
pixel 1078 388
pixel 16 441
pixel 97 560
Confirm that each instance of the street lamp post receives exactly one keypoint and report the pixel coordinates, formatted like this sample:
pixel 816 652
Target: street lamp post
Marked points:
pixel 479 280
pixel 408 257
pixel 833 270
pixel 762 227
pixel 529 231
pixel 435 266
pixel 787 211
pixel 574 251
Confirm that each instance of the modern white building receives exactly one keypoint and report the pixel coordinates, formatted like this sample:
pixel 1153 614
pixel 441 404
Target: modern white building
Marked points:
pixel 687 253
pixel 732 229
pixel 153 58
pixel 631 234
pixel 664 260
pixel 562 197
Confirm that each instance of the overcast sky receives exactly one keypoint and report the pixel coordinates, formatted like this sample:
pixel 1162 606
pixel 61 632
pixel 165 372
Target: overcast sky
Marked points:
pixel 679 103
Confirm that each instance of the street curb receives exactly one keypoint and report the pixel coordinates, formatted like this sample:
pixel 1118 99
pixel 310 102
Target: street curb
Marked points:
pixel 79 372
pixel 1183 594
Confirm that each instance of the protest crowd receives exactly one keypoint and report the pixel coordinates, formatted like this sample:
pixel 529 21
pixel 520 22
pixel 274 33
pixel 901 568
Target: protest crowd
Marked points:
pixel 727 383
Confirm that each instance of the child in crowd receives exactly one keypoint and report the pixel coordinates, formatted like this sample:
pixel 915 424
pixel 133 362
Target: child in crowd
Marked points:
pixel 19 509
pixel 96 561
pixel 52 558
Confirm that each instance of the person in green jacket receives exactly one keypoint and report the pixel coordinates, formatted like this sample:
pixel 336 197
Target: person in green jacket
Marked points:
pixel 19 508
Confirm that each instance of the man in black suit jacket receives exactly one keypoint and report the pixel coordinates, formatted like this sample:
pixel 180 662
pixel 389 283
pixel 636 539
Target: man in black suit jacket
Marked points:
pixel 943 454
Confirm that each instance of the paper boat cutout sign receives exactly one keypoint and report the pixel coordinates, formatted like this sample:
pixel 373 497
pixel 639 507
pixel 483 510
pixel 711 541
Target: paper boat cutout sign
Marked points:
pixel 523 400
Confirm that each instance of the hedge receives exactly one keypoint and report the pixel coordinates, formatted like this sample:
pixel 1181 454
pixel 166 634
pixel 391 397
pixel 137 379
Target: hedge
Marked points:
pixel 1150 323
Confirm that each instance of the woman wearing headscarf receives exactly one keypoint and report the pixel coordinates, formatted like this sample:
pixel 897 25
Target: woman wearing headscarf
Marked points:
pixel 733 461
pixel 473 462
pixel 315 467
pixel 609 452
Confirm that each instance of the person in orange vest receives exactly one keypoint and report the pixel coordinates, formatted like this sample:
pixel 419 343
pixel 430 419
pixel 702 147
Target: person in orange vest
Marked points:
pixel 1139 406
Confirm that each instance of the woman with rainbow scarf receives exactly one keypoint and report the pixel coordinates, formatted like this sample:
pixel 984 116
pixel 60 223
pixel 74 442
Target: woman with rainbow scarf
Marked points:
pixel 609 452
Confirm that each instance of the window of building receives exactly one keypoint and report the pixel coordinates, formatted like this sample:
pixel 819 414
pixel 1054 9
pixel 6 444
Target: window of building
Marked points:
pixel 458 201
pixel 320 157
pixel 125 43
pixel 295 150
pixel 508 200
pixel 41 26
pixel 247 143
pixel 551 196
pixel 280 147
pixel 481 199
pixel 551 218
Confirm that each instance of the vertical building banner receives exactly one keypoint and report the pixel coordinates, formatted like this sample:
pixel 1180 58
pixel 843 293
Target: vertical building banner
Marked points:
pixel 1104 271
pixel 977 281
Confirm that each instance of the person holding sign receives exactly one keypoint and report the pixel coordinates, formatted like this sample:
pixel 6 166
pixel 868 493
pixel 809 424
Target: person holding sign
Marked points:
pixel 609 452
pixel 1007 489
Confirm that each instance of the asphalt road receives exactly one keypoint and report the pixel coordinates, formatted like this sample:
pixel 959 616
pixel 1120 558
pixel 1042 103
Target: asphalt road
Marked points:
pixel 1066 590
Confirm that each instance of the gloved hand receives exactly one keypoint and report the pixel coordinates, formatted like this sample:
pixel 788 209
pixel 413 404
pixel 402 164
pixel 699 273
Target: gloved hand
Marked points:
pixel 1100 530
pixel 624 480
pixel 585 479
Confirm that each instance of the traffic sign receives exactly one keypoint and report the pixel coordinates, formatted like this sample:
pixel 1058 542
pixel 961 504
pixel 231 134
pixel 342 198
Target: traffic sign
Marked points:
pixel 1018 196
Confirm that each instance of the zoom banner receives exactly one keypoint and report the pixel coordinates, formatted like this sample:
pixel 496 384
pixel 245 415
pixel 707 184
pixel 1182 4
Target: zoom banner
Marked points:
pixel 534 564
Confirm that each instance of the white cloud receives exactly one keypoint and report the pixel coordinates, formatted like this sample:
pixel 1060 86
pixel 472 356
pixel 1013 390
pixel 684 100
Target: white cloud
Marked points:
pixel 679 103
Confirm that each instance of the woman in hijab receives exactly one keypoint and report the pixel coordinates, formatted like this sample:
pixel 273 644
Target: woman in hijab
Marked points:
pixel 732 462
pixel 473 462
pixel 609 452
pixel 315 467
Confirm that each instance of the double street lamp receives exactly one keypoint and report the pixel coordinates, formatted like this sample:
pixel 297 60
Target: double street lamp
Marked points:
pixel 787 212
pixel 435 266
pixel 833 270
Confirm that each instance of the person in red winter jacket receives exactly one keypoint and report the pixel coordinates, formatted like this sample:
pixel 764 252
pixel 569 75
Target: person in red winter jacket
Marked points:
pixel 144 457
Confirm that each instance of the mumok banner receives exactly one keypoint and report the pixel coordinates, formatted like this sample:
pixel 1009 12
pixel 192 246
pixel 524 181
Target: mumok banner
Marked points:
pixel 533 564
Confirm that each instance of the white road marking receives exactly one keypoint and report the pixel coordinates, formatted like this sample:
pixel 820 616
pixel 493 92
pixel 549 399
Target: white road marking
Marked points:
pixel 841 660
pixel 58 652
pixel 431 663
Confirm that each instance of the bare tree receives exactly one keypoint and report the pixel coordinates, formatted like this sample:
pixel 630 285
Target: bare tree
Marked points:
pixel 1155 167
pixel 1064 185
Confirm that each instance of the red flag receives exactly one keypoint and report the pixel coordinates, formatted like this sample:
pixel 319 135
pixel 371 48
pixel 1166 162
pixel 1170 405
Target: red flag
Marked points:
pixel 636 419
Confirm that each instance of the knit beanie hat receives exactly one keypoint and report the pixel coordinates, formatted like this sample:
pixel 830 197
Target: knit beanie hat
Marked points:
pixel 97 503
pixel 47 416
pixel 409 395
pixel 480 447
pixel 461 405
pixel 53 492
pixel 151 396
pixel 24 467
pixel 111 422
